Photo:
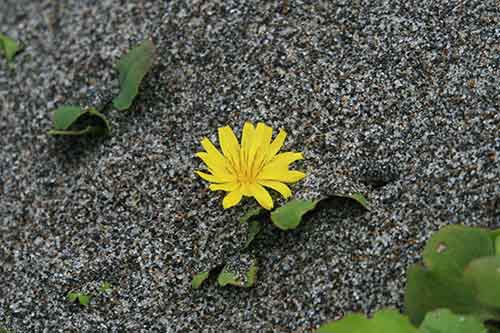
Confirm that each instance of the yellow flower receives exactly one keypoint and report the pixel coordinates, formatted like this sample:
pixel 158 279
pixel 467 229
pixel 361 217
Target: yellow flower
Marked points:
pixel 244 170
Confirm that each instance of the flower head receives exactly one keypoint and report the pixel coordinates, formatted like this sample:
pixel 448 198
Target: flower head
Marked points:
pixel 245 169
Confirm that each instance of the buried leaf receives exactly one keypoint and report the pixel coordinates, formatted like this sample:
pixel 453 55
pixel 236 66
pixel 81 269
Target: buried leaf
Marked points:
pixel 445 321
pixel 132 68
pixel 252 213
pixel 9 47
pixel 241 271
pixel 290 215
pixel 358 197
pixel 384 321
pixel 199 278
pixel 75 121
pixel 254 226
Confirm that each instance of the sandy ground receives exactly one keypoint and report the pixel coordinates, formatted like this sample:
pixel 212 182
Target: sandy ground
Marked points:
pixel 398 100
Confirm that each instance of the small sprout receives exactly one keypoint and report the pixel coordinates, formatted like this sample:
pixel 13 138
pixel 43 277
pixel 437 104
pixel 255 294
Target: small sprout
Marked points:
pixel 9 47
pixel 199 278
pixel 132 68
pixel 105 287
pixel 82 298
pixel 358 197
pixel 290 215
pixel 75 121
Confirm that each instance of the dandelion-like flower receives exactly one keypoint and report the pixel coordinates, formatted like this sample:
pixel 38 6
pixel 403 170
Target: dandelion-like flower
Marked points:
pixel 244 170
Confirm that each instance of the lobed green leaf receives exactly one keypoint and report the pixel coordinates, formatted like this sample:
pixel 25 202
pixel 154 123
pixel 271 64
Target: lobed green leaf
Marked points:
pixel 290 215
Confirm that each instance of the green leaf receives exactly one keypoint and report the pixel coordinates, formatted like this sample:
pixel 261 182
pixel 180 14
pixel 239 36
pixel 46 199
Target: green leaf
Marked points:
pixel 251 275
pixel 358 197
pixel 290 215
pixel 441 283
pixel 241 273
pixel 483 275
pixel 198 279
pixel 384 321
pixel 254 226
pixel 95 113
pixel 132 69
pixel 65 116
pixel 9 47
pixel 497 245
pixel 105 287
pixel 250 214
pixel 71 116
pixel 453 247
pixel 227 277
pixel 445 321
pixel 492 328
pixel 82 298
pixel 72 296
pixel 425 291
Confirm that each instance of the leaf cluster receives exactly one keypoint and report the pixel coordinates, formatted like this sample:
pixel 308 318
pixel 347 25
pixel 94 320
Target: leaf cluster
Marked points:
pixel 132 68
pixel 456 288
pixel 286 217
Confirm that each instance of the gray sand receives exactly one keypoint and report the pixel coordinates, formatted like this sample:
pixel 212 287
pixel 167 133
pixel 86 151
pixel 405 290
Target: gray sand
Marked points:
pixel 398 100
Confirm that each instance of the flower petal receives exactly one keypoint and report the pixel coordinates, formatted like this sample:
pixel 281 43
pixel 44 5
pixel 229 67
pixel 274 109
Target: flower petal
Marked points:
pixel 283 189
pixel 259 148
pixel 264 134
pixel 211 150
pixel 276 145
pixel 215 178
pixel 262 139
pixel 214 164
pixel 286 158
pixel 261 195
pixel 279 162
pixel 229 143
pixel 292 176
pixel 228 187
pixel 283 175
pixel 247 135
pixel 232 198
